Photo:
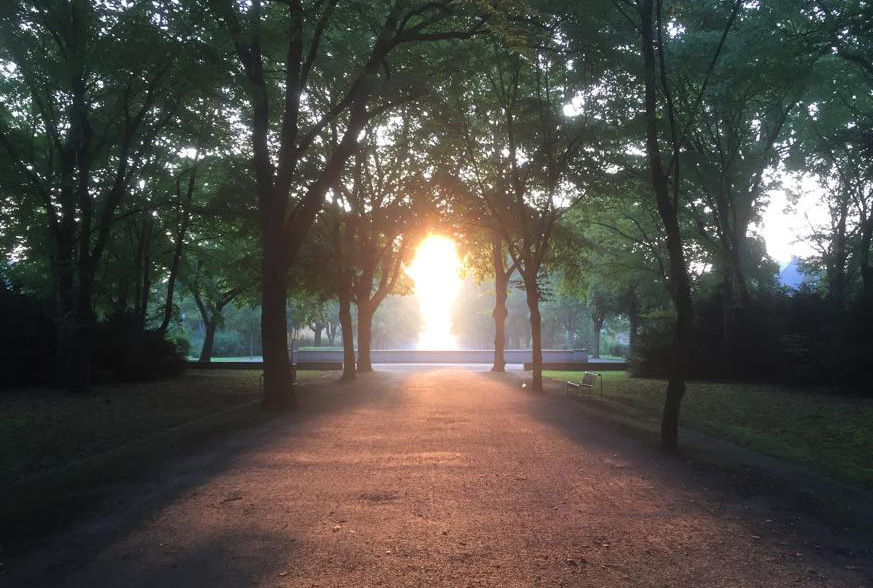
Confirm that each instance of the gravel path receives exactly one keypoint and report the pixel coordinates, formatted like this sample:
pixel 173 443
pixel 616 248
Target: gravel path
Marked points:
pixel 445 478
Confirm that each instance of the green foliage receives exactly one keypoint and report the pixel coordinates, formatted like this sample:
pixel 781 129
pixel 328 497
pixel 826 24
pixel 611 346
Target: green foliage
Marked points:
pixel 27 345
pixel 127 143
pixel 818 429
pixel 134 355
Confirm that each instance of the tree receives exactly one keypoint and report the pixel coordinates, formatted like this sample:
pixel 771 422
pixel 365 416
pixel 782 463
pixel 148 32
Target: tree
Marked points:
pixel 731 137
pixel 666 185
pixel 295 160
pixel 520 147
pixel 487 258
pixel 92 85
pixel 331 321
pixel 833 141
pixel 383 201
pixel 210 302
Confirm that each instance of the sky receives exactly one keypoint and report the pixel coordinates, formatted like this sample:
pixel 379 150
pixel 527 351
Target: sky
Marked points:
pixel 784 227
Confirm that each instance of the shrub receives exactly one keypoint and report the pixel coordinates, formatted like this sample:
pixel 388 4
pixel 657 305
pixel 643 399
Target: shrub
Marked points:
pixel 133 354
pixel 799 339
pixel 27 345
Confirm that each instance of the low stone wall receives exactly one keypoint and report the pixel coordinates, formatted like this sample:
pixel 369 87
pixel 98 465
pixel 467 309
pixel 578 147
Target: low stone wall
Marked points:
pixel 257 365
pixel 599 366
pixel 551 356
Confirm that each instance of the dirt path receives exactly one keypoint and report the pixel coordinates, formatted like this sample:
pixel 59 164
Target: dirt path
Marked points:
pixel 444 478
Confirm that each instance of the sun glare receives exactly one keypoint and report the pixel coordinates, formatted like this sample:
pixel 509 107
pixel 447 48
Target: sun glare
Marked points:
pixel 436 273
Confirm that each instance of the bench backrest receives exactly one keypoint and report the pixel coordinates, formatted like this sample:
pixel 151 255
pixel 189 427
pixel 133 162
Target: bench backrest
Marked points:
pixel 588 379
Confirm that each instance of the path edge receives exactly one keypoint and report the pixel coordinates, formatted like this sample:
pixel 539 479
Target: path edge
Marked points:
pixel 843 507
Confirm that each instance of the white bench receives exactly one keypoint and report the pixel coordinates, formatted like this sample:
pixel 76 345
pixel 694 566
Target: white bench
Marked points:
pixel 586 383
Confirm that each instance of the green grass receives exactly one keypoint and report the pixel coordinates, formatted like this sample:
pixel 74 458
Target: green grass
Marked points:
pixel 320 349
pixel 828 433
pixel 257 358
pixel 42 429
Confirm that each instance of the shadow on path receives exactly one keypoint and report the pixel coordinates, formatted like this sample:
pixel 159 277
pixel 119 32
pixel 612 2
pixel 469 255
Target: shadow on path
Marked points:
pixel 433 478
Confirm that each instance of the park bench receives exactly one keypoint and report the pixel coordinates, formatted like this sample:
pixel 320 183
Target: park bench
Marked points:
pixel 586 383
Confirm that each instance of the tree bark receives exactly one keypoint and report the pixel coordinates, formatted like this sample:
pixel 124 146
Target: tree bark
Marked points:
pixel 501 283
pixel 81 360
pixel 345 314
pixel 571 329
pixel 365 337
pixel 634 324
pixel 317 328
pixel 597 320
pixel 208 340
pixel 331 333
pixel 146 282
pixel 728 327
pixel 533 305
pixel 864 257
pixel 278 388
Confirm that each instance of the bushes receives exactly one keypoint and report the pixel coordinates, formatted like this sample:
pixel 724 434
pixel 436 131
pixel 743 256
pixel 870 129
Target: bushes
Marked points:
pixel 793 338
pixel 134 354
pixel 27 344
pixel 618 350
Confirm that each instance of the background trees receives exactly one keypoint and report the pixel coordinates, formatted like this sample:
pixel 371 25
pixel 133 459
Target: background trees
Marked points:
pixel 162 167
pixel 87 91
pixel 305 127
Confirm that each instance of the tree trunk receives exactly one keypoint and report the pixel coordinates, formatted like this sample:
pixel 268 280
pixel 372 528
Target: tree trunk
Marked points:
pixel 598 327
pixel 501 283
pixel 82 350
pixel 680 284
pixel 837 279
pixel 365 337
pixel 208 340
pixel 727 322
pixel 634 325
pixel 670 418
pixel 499 315
pixel 146 290
pixel 66 304
pixel 571 330
pixel 182 229
pixel 278 389
pixel 317 328
pixel 345 315
pixel 533 305
pixel 864 258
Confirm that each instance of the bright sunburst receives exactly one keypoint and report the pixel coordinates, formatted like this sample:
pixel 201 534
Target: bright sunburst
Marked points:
pixel 435 271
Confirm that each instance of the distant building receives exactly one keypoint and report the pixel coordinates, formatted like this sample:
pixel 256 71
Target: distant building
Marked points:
pixel 792 276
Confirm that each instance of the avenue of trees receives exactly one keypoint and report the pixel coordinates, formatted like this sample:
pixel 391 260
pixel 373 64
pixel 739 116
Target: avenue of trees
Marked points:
pixel 169 167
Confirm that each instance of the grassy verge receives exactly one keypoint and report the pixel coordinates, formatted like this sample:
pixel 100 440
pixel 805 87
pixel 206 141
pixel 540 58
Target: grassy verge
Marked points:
pixel 43 429
pixel 60 451
pixel 827 433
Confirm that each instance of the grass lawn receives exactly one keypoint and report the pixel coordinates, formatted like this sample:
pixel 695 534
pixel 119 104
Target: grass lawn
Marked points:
pixel 827 433
pixel 258 358
pixel 41 429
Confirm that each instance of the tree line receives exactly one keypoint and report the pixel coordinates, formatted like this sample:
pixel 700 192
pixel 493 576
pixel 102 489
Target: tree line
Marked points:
pixel 620 152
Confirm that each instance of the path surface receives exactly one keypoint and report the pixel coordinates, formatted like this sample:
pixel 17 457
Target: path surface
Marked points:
pixel 444 478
